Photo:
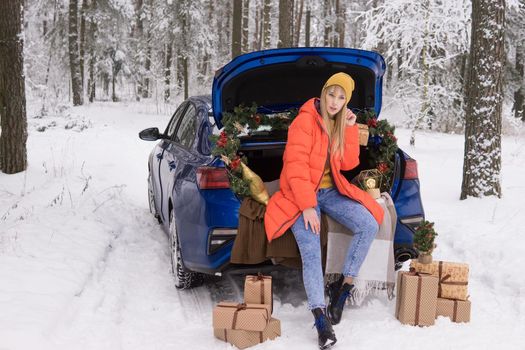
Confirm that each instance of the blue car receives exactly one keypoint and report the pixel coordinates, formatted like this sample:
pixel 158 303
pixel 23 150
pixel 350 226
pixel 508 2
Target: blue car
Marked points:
pixel 189 191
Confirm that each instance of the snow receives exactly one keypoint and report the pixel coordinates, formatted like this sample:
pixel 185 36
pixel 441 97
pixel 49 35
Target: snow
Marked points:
pixel 83 264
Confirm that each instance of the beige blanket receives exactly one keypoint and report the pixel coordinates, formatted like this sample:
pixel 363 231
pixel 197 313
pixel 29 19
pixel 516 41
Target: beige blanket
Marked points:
pixel 377 274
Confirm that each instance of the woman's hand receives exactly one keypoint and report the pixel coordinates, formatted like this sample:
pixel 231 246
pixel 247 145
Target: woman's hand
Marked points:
pixel 350 117
pixel 310 218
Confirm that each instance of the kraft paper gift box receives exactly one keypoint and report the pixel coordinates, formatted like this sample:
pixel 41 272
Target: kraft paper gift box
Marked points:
pixel 416 298
pixel 243 339
pixel 248 317
pixel 363 134
pixel 258 290
pixel 453 277
pixel 456 310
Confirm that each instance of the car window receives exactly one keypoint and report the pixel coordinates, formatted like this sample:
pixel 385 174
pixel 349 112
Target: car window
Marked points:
pixel 170 130
pixel 185 133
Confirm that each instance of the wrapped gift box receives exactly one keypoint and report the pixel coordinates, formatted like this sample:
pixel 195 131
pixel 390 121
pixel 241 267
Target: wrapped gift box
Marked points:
pixel 416 298
pixel 456 310
pixel 258 290
pixel 363 134
pixel 243 339
pixel 453 277
pixel 249 317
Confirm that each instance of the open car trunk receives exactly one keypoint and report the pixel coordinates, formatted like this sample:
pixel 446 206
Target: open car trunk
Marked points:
pixel 279 79
pixel 282 79
pixel 265 157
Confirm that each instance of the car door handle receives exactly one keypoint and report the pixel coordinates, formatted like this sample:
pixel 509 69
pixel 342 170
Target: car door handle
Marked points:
pixel 159 156
pixel 172 165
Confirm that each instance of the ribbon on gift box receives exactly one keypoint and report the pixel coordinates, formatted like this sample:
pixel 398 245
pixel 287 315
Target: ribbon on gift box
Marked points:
pixel 443 280
pixel 240 307
pixel 413 272
pixel 455 312
pixel 260 277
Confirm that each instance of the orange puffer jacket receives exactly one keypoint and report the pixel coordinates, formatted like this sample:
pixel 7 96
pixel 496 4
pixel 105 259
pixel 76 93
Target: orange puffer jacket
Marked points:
pixel 304 162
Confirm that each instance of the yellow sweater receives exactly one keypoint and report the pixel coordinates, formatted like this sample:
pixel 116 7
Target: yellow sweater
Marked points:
pixel 326 181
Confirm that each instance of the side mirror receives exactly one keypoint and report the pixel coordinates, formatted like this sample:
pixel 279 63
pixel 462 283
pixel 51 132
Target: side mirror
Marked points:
pixel 150 134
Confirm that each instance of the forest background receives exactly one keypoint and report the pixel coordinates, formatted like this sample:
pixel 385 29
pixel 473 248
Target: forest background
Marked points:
pixel 165 50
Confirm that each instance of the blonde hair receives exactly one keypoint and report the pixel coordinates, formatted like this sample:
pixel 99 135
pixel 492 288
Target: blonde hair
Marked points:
pixel 338 133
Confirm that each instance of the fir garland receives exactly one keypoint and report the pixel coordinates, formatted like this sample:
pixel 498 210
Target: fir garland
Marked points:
pixel 244 119
pixel 382 145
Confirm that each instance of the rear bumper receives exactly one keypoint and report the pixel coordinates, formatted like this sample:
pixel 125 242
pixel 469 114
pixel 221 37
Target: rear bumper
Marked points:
pixel 229 268
pixel 221 211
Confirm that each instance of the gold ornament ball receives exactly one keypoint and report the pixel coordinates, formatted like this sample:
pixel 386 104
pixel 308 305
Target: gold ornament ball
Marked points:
pixel 370 183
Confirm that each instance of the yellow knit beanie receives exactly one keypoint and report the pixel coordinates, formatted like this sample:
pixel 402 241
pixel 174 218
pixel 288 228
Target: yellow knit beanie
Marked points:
pixel 344 81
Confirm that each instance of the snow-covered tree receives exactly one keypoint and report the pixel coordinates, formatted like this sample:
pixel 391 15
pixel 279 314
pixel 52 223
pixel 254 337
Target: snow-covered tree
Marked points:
pixel 482 161
pixel 426 42
pixel 13 123
pixel 74 54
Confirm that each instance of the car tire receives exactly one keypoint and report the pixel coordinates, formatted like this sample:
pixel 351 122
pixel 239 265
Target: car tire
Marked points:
pixel 151 199
pixel 184 279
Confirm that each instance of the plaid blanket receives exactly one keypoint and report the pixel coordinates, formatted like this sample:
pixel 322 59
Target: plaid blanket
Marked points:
pixel 377 274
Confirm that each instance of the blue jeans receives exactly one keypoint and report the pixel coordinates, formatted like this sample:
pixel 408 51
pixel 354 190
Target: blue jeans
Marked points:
pixel 351 214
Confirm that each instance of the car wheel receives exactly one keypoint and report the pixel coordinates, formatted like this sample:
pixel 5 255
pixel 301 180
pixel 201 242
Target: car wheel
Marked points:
pixel 151 199
pixel 183 279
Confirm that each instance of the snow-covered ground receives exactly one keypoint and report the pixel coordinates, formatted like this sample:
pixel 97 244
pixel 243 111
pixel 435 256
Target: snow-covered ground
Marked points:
pixel 83 264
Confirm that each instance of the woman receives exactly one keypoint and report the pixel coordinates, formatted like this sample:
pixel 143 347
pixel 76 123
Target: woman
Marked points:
pixel 322 141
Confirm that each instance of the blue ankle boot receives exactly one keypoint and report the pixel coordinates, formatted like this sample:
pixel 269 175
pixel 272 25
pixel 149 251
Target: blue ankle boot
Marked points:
pixel 324 329
pixel 337 299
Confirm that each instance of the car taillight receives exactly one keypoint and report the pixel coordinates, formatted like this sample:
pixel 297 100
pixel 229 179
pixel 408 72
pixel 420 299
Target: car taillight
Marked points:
pixel 220 237
pixel 410 170
pixel 212 178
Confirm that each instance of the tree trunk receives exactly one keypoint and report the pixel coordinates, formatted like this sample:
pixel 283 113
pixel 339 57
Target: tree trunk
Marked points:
pixel 147 68
pixel 83 11
pixel 138 29
pixel 267 24
pixel 285 21
pixel 182 47
pixel 167 71
pixel 137 33
pixel 340 22
pixel 147 60
pixel 299 16
pixel 245 23
pixel 92 56
pixel 328 25
pixel 425 104
pixel 74 57
pixel 237 28
pixel 519 98
pixel 105 86
pixel 113 91
pixel 186 78
pixel 307 22
pixel 482 159
pixel 400 74
pixel 256 42
pixel 13 120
